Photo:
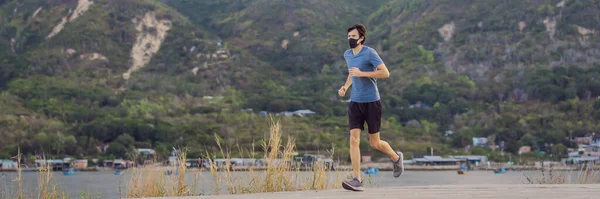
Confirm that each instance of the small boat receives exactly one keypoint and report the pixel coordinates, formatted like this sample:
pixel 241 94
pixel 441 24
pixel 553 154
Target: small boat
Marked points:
pixel 70 172
pixel 119 172
pixel 462 169
pixel 171 173
pixel 500 170
pixel 371 170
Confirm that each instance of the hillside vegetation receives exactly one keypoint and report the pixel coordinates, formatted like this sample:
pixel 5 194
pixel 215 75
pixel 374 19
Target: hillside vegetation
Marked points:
pixel 80 74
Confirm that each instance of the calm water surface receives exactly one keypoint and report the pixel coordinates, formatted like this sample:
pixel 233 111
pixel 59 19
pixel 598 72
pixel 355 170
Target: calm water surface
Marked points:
pixel 108 185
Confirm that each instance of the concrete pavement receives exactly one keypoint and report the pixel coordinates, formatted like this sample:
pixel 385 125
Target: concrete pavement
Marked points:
pixel 516 191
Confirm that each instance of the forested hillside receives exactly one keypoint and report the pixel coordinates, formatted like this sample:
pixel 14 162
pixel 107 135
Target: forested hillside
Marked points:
pixel 77 75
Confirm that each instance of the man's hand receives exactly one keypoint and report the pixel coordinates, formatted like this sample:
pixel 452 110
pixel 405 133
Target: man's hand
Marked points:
pixel 381 72
pixel 342 91
pixel 355 72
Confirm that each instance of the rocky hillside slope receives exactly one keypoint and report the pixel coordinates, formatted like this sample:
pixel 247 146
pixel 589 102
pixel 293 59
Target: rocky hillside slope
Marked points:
pixel 177 72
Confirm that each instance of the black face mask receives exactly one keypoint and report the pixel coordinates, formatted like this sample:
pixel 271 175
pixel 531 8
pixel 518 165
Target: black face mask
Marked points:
pixel 353 42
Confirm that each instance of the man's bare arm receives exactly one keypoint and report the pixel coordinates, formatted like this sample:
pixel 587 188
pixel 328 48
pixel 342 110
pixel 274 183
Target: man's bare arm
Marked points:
pixel 348 82
pixel 344 88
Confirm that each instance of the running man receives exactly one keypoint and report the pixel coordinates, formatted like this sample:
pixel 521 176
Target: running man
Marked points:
pixel 365 67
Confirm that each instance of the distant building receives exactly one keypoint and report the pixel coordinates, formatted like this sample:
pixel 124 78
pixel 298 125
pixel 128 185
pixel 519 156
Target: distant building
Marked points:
pixel 55 165
pixel 436 160
pixel 197 163
pixel 448 133
pixel 583 140
pixel 574 154
pixel 80 164
pixel 146 152
pixel 298 113
pixel 493 147
pixel 473 159
pixel 524 149
pixel 589 148
pixel 243 161
pixel 586 159
pixel 596 154
pixel 308 160
pixel 594 146
pixel 419 105
pixel 479 142
pixel 118 164
pixel 8 164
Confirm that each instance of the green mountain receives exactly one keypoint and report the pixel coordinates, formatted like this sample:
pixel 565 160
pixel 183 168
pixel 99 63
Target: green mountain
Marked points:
pixel 488 41
pixel 79 74
pixel 78 63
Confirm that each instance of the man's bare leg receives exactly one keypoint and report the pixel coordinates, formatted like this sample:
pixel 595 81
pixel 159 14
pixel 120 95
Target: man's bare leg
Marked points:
pixel 382 146
pixel 355 152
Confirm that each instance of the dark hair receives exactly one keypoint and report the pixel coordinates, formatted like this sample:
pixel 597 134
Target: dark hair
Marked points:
pixel 362 31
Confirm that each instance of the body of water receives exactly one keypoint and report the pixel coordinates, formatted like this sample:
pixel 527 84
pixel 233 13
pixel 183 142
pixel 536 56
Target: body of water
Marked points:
pixel 108 185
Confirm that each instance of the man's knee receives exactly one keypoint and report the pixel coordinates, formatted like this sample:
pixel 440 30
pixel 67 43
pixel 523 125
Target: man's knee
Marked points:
pixel 354 141
pixel 355 137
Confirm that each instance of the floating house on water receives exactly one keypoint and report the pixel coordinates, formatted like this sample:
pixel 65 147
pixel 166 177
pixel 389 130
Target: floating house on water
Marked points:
pixel 436 160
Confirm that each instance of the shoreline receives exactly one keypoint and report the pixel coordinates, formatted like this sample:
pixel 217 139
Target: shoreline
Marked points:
pixel 89 169
pixel 380 167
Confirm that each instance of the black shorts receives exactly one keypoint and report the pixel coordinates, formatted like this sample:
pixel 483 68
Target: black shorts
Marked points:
pixel 359 113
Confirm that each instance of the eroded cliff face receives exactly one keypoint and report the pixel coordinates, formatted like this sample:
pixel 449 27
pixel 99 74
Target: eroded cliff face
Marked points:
pixel 82 7
pixel 150 36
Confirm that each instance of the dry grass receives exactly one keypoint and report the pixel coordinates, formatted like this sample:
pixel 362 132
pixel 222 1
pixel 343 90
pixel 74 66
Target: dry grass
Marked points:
pixel 19 179
pixel 155 182
pixel 281 174
pixel 587 174
pixel 47 184
pixel 147 182
pixel 551 177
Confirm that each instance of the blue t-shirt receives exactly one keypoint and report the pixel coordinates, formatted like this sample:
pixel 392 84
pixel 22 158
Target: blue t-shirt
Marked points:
pixel 364 89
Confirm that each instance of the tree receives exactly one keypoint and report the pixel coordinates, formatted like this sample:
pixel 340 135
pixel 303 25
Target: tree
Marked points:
pixel 555 136
pixel 512 146
pixel 42 140
pixel 4 155
pixel 462 138
pixel 12 67
pixel 126 140
pixel 117 150
pixel 597 104
pixel 559 151
pixel 57 143
pixel 480 151
pixel 527 140
pixel 70 144
pixel 162 150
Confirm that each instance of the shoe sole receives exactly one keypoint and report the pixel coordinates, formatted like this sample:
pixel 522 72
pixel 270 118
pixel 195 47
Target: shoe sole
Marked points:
pixel 351 188
pixel 401 165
